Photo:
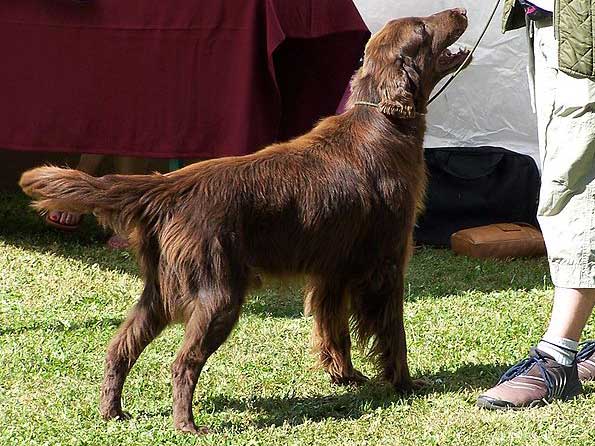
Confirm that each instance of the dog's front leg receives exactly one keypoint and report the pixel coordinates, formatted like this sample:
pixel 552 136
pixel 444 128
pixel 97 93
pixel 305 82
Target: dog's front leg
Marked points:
pixel 392 345
pixel 391 337
pixel 378 315
pixel 328 302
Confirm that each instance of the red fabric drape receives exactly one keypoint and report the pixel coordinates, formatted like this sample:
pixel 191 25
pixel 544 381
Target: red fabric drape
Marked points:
pixel 171 79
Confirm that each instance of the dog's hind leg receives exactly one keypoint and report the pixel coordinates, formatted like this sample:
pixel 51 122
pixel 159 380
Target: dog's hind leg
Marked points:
pixel 209 324
pixel 329 304
pixel 144 323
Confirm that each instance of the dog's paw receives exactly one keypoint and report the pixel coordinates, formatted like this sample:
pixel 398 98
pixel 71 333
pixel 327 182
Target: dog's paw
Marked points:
pixel 189 427
pixel 123 416
pixel 356 378
pixel 411 386
pixel 115 414
pixel 404 387
pixel 420 384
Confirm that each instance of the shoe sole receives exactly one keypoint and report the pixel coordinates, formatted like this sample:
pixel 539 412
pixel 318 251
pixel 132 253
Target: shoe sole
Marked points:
pixel 492 404
pixel 503 406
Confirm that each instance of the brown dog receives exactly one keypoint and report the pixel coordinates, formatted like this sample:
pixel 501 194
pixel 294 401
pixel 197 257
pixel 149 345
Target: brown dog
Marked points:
pixel 337 204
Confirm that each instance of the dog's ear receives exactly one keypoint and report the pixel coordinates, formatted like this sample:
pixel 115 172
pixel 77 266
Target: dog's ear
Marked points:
pixel 397 88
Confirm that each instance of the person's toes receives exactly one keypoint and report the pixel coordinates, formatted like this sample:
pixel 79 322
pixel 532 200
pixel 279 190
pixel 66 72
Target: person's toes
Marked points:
pixel 55 216
pixel 73 219
pixel 65 218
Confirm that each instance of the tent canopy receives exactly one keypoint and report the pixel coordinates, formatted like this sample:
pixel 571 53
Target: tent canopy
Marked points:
pixel 489 103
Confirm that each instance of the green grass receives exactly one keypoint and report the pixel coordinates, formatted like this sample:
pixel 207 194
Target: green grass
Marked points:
pixel 63 296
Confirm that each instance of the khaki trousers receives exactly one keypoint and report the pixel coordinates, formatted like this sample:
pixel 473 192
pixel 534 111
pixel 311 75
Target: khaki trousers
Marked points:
pixel 566 124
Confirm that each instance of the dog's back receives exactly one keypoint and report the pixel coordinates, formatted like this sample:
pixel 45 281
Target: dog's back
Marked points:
pixel 319 203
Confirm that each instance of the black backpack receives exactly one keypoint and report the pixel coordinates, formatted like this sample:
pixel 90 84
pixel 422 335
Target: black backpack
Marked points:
pixel 471 187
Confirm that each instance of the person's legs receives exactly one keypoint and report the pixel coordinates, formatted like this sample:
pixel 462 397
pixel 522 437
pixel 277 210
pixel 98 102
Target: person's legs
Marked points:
pixel 567 199
pixel 129 165
pixel 90 163
pixel 571 310
pixel 566 124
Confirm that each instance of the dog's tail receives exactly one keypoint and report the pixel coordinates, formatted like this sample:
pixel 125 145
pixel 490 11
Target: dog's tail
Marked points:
pixel 120 202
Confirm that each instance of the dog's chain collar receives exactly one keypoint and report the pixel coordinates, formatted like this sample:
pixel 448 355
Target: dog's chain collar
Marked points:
pixel 369 104
pixel 375 105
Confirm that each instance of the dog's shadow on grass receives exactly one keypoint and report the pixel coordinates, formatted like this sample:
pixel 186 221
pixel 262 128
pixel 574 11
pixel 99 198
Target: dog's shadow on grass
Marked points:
pixel 62 326
pixel 276 300
pixel 467 381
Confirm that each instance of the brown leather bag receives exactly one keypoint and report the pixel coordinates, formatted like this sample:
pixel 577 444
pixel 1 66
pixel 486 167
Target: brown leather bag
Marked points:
pixel 499 241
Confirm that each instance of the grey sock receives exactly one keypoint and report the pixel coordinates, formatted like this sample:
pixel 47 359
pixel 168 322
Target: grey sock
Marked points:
pixel 561 349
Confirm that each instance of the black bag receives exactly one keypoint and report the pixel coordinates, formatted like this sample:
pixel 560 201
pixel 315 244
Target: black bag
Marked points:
pixel 478 186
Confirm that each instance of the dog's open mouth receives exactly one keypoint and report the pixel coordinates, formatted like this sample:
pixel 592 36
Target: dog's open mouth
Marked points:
pixel 449 60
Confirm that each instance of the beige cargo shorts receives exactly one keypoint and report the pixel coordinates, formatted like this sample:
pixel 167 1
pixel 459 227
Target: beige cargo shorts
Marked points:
pixel 566 123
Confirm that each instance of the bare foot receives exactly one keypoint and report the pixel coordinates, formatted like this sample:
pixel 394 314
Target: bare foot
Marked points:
pixel 64 220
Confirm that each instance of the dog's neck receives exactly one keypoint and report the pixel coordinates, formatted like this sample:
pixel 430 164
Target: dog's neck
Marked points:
pixel 387 126
pixel 364 109
pixel 365 95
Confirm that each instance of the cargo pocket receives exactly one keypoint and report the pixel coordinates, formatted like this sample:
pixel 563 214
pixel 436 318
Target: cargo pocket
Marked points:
pixel 569 158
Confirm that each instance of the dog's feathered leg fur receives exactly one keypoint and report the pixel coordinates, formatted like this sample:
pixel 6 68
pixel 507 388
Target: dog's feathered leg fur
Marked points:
pixel 206 329
pixel 328 303
pixel 378 316
pixel 144 323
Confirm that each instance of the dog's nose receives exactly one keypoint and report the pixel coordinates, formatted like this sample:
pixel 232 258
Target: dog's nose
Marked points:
pixel 461 11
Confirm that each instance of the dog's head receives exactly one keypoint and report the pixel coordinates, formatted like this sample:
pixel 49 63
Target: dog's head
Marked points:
pixel 405 60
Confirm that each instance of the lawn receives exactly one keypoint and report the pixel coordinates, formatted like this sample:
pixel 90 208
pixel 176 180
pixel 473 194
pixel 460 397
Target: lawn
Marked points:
pixel 63 296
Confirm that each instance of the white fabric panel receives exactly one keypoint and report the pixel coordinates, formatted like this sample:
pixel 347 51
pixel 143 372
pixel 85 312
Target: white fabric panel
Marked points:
pixel 548 5
pixel 489 103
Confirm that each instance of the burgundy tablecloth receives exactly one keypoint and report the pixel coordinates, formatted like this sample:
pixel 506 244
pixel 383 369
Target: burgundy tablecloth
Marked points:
pixel 173 79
